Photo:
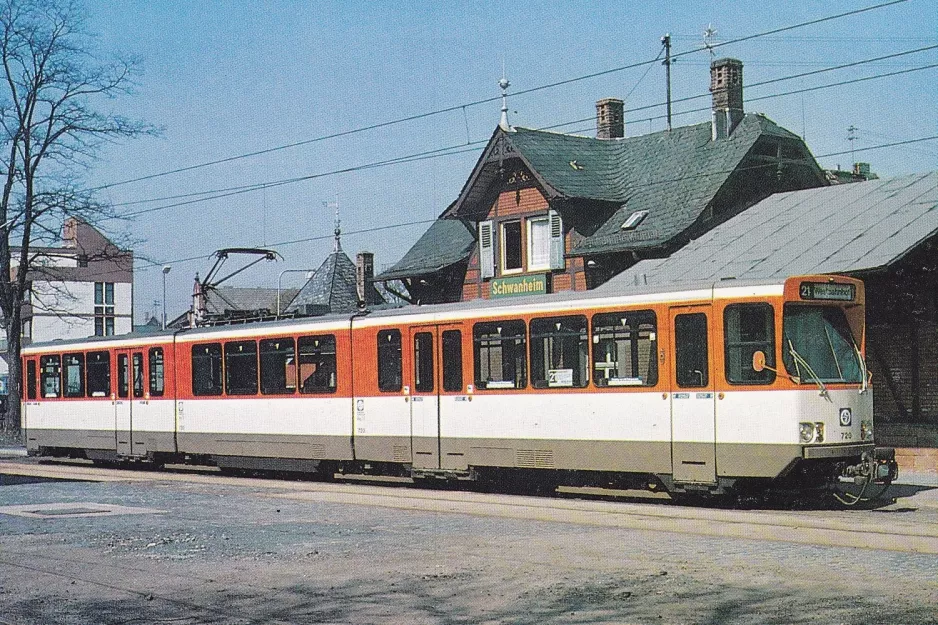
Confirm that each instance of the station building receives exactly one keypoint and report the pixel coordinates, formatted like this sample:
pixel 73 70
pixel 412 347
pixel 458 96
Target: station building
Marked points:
pixel 544 212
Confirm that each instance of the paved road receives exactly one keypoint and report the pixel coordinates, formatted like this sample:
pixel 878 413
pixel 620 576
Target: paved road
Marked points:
pixel 145 547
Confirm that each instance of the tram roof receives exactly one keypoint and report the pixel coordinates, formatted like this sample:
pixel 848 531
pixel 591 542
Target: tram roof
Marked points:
pixel 376 315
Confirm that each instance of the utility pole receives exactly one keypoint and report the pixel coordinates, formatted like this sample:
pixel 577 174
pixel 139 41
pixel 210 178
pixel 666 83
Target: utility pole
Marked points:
pixel 666 41
pixel 851 137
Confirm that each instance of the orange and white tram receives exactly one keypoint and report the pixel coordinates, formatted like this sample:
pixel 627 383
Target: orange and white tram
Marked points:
pixel 705 389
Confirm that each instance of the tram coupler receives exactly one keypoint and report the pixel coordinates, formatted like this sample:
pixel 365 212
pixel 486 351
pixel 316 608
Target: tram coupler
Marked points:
pixel 878 467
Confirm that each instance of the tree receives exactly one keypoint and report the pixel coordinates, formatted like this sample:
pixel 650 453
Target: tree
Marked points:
pixel 52 124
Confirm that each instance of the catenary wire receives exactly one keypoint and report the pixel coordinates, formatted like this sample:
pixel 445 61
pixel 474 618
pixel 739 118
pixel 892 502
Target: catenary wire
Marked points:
pixel 457 107
pixel 204 196
pixel 649 184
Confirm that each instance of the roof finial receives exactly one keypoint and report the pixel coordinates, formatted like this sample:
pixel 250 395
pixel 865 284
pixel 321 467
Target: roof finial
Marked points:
pixel 338 223
pixel 504 84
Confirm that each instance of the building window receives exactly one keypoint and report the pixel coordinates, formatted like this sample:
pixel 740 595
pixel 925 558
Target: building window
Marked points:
pixel 206 369
pixel 99 374
pixel 278 366
pixel 390 365
pixel 499 351
pixel 559 352
pixel 241 368
pixel 538 243
pixel 511 247
pixel 748 328
pixel 103 308
pixel 157 372
pixel 317 364
pixel 624 349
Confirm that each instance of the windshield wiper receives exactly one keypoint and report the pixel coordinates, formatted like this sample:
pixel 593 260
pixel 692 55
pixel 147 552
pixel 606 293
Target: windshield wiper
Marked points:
pixel 801 362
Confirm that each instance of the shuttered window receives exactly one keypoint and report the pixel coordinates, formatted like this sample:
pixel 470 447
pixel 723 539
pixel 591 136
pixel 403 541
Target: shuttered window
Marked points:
pixel 486 250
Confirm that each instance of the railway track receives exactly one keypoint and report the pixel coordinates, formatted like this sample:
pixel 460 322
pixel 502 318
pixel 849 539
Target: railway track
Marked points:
pixel 883 529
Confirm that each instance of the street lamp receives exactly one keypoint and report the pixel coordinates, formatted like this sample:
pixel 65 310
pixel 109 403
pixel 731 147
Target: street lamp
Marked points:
pixel 309 274
pixel 166 270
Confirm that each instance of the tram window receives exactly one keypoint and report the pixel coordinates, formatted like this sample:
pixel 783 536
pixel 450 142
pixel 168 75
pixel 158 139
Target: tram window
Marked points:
pixel 241 368
pixel 625 351
pixel 748 328
pixel 278 366
pixel 423 362
pixel 452 361
pixel 73 366
pixel 499 354
pixel 99 374
pixel 49 378
pixel 690 345
pixel 123 375
pixel 390 367
pixel 138 374
pixel 317 364
pixel 559 352
pixel 30 379
pixel 206 369
pixel 157 371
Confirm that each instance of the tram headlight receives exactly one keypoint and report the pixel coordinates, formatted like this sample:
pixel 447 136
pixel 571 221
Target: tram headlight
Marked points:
pixel 866 430
pixel 807 432
pixel 819 432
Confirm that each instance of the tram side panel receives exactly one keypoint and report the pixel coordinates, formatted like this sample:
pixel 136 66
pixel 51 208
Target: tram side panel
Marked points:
pixel 549 392
pixel 62 414
pixel 382 411
pixel 271 396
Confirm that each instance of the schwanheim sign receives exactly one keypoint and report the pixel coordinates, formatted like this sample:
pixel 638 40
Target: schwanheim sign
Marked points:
pixel 520 285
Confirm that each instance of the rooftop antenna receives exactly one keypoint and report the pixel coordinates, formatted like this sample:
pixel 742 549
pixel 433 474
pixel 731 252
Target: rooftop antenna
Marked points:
pixel 709 35
pixel 504 84
pixel 338 224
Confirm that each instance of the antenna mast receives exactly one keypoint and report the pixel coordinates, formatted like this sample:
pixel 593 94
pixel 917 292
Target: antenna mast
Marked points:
pixel 666 41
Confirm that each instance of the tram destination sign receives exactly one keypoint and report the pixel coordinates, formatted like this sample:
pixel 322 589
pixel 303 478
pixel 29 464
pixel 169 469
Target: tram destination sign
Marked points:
pixel 520 285
pixel 828 291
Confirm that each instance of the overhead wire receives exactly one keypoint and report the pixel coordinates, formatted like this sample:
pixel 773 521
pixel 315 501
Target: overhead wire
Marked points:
pixel 449 109
pixel 647 184
pixel 203 196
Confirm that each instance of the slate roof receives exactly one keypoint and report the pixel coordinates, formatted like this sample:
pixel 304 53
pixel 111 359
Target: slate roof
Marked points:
pixel 673 175
pixel 447 241
pixel 243 299
pixel 839 229
pixel 332 288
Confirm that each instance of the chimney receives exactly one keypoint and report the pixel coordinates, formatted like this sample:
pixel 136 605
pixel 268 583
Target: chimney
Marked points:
pixel 610 119
pixel 365 277
pixel 726 85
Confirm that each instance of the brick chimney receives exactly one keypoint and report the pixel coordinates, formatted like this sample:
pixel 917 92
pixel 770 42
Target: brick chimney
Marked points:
pixel 365 277
pixel 610 119
pixel 726 85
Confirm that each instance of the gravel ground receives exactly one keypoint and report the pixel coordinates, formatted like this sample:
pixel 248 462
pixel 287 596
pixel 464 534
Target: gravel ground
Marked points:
pixel 223 553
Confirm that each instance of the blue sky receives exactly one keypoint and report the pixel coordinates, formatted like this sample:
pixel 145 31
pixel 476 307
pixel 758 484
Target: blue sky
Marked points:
pixel 228 78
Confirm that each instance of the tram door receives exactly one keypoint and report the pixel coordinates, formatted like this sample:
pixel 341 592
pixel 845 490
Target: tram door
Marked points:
pixel 693 401
pixel 436 380
pixel 129 386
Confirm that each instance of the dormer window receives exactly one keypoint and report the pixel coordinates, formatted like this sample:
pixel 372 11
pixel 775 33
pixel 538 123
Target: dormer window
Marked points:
pixel 634 219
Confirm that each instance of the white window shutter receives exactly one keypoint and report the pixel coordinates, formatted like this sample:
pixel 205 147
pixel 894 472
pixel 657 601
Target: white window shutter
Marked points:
pixel 486 249
pixel 556 240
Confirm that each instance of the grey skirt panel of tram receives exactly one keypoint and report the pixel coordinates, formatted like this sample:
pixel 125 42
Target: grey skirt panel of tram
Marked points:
pixel 266 445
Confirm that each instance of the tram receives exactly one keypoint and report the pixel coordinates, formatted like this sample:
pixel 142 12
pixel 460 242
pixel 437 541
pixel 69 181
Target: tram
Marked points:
pixel 705 389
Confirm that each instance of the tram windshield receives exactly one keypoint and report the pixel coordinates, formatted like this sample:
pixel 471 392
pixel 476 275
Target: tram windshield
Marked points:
pixel 818 346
